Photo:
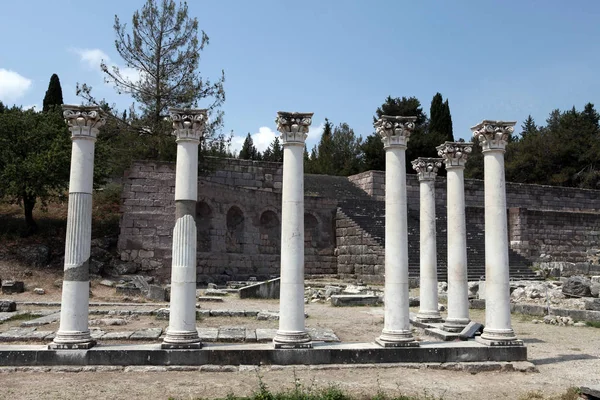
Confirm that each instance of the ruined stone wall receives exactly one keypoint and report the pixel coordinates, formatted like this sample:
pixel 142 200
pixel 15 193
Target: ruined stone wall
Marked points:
pixel 557 222
pixel 358 254
pixel 238 227
pixel 533 197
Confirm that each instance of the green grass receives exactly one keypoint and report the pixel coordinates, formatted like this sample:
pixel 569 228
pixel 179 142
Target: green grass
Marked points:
pixel 302 392
pixel 21 317
pixel 593 324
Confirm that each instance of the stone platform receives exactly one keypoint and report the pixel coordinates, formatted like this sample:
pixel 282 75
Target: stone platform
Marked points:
pixel 258 354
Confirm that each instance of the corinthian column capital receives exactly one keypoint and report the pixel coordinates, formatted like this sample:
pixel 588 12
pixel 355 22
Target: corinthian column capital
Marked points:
pixel 293 127
pixel 493 135
pixel 427 168
pixel 83 121
pixel 455 154
pixel 394 131
pixel 188 123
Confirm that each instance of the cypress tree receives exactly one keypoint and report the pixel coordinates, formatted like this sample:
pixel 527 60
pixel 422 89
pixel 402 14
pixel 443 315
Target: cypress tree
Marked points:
pixel 53 95
pixel 324 162
pixel 440 118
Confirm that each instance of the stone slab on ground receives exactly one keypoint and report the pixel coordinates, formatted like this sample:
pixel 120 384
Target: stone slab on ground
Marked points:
pixel 265 334
pixel 125 335
pixel 97 333
pixel 14 334
pixel 208 334
pixel 347 300
pixel 215 292
pixel 128 290
pixel 214 299
pixel 48 319
pixel 9 287
pixel 592 304
pixel 470 330
pixel 37 335
pixel 7 306
pixel 260 354
pixel 250 335
pixel 5 316
pixel 146 334
pixel 322 335
pixel 231 334
pixel 264 290
pixel 442 334
pixel 156 292
pixel 592 391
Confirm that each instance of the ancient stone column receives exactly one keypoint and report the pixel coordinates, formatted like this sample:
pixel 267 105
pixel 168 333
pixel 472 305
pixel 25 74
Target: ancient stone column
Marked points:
pixel 395 132
pixel 74 332
pixel 292 332
pixel 426 171
pixel 493 136
pixel 455 157
pixel 188 126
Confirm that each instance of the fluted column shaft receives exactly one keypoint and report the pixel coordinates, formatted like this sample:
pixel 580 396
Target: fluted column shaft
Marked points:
pixel 74 332
pixel 455 156
pixel 292 332
pixel 493 136
pixel 182 333
pixel 395 132
pixel 427 170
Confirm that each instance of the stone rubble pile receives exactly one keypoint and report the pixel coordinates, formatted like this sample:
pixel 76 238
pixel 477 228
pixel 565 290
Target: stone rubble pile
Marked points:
pixel 323 295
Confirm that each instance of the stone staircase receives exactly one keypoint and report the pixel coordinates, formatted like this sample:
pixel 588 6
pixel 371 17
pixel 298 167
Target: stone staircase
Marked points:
pixel 369 215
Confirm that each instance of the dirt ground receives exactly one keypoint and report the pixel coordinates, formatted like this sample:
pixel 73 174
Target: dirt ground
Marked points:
pixel 565 357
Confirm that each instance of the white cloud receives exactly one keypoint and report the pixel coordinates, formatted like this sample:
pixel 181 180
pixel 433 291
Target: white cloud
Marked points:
pixel 265 136
pixel 92 57
pixel 35 107
pixel 12 85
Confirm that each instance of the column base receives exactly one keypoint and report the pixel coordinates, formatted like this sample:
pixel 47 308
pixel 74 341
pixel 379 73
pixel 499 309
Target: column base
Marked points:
pixel 292 340
pixel 72 341
pixel 496 342
pixel 402 338
pixel 455 324
pixel 181 340
pixel 499 337
pixel 429 317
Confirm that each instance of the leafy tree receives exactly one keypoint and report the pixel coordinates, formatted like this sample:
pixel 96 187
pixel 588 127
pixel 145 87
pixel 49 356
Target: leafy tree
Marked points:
pixel 34 158
pixel 346 150
pixel 248 151
pixel 53 95
pixel 422 143
pixel 323 163
pixel 161 52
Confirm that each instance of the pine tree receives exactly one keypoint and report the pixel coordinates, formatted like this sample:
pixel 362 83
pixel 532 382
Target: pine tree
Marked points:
pixel 528 127
pixel 440 120
pixel 324 160
pixel 2 107
pixel 248 151
pixel 276 151
pixel 53 95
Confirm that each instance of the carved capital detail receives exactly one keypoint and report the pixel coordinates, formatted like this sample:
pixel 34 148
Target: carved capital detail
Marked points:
pixel 293 126
pixel 83 121
pixel 427 168
pixel 493 135
pixel 394 131
pixel 455 154
pixel 188 123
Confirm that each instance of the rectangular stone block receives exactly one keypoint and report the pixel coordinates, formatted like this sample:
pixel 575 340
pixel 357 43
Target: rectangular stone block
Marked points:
pixel 9 287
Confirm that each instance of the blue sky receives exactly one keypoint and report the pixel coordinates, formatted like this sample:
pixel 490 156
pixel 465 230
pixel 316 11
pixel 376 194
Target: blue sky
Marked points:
pixel 339 59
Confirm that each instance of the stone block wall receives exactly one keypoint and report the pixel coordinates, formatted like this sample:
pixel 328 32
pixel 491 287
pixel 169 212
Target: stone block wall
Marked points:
pixel 238 227
pixel 250 174
pixel 358 254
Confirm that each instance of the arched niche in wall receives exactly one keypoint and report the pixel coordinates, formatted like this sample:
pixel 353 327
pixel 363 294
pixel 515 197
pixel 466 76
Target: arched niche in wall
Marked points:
pixel 312 233
pixel 204 226
pixel 234 239
pixel 270 233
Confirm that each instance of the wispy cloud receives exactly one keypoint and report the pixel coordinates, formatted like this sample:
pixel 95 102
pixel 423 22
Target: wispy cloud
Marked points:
pixel 13 85
pixel 92 58
pixel 265 136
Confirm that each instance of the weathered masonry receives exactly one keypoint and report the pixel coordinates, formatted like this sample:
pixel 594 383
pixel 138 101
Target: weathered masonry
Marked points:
pixel 239 217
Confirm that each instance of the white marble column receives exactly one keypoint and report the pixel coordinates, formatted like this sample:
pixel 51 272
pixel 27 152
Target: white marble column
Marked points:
pixel 74 332
pixel 427 169
pixel 395 132
pixel 292 332
pixel 493 136
pixel 188 126
pixel 455 157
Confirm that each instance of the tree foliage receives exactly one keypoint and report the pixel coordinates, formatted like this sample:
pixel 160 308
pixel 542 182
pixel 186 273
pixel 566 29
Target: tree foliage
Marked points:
pixel 53 95
pixel 248 151
pixel 440 118
pixel 34 158
pixel 274 152
pixel 161 51
pixel 338 152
